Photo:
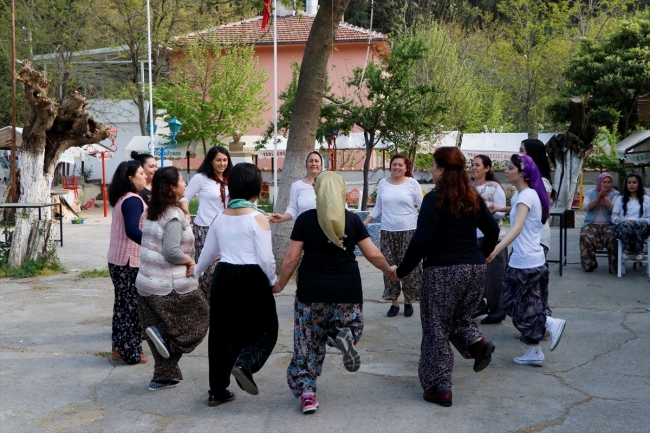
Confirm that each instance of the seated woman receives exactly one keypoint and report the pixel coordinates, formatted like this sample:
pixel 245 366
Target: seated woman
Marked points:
pixel 329 300
pixel 172 309
pixel 243 319
pixel 631 214
pixel 597 232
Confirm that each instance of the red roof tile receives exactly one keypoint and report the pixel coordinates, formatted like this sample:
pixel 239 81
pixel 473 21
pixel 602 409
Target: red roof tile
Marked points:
pixel 291 30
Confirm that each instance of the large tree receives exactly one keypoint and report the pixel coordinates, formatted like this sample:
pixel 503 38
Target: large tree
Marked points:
pixel 613 72
pixel 213 89
pixel 123 23
pixel 305 118
pixel 389 103
pixel 53 127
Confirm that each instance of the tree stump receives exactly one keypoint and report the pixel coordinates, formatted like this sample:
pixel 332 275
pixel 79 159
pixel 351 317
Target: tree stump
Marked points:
pixel 568 152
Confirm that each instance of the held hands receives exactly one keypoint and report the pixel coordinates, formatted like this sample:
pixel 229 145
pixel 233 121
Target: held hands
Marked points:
pixel 393 275
pixel 491 257
pixel 277 288
pixel 275 218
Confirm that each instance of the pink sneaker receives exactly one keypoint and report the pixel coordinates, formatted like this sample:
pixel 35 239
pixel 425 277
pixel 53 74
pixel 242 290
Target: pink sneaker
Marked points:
pixel 308 403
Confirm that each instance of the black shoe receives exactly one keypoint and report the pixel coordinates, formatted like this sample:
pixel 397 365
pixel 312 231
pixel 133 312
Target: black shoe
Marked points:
pixel 481 309
pixel 219 398
pixel 439 396
pixel 481 351
pixel 244 380
pixel 408 310
pixel 392 311
pixel 492 320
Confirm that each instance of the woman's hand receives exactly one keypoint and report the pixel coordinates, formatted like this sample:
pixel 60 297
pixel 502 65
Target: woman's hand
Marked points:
pixel 491 257
pixel 189 272
pixel 276 218
pixel 277 288
pixel 393 275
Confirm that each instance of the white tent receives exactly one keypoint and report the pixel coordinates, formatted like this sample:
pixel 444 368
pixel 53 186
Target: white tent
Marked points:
pixel 498 147
pixel 635 149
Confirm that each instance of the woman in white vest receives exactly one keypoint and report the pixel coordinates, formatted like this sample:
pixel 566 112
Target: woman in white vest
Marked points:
pixel 174 311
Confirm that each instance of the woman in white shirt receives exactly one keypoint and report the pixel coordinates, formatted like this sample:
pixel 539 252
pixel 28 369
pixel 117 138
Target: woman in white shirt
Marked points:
pixel 493 194
pixel 631 214
pixel 397 197
pixel 302 196
pixel 243 318
pixel 526 277
pixel 210 183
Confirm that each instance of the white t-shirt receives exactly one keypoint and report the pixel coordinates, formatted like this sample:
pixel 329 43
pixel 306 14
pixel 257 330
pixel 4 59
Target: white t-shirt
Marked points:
pixel 546 230
pixel 396 204
pixel 499 196
pixel 633 207
pixel 210 204
pixel 526 249
pixel 241 241
pixel 301 198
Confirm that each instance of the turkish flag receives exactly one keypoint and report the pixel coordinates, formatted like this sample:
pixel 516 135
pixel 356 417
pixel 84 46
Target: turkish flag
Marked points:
pixel 266 15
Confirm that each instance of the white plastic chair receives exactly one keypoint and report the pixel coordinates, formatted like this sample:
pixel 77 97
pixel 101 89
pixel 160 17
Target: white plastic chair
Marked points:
pixel 621 262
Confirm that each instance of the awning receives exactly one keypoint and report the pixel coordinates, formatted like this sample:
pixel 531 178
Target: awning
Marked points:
pixel 5 138
pixel 635 149
pixel 97 149
pixel 498 147
pixel 140 144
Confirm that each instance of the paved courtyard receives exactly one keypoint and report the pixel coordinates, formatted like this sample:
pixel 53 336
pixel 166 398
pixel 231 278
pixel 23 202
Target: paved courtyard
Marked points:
pixel 56 374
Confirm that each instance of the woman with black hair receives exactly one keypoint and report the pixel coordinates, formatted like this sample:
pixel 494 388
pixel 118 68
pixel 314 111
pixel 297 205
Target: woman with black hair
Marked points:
pixel 211 185
pixel 124 259
pixel 149 165
pixel 397 197
pixel 631 214
pixel 243 318
pixel 175 314
pixel 493 194
pixel 525 282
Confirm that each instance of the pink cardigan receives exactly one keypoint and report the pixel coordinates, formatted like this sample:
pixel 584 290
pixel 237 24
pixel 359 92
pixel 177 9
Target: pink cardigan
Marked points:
pixel 123 250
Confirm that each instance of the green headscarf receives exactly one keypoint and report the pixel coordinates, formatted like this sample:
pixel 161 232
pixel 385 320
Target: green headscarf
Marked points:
pixel 330 206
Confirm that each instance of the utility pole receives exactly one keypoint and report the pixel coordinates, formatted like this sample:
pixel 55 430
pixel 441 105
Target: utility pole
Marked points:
pixel 12 167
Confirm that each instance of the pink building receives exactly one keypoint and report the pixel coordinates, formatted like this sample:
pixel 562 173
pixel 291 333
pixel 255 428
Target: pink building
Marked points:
pixel 349 51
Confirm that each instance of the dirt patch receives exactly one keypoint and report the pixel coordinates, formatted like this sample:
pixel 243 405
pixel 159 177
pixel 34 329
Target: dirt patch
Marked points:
pixel 69 416
pixel 99 320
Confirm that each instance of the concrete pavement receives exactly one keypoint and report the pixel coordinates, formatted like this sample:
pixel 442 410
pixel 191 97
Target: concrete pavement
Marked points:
pixel 56 374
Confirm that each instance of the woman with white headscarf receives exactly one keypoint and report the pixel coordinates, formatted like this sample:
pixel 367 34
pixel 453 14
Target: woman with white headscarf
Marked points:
pixel 329 298
pixel 302 197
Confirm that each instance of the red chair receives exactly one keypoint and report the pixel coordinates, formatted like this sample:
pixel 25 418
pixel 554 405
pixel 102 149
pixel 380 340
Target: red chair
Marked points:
pixel 72 183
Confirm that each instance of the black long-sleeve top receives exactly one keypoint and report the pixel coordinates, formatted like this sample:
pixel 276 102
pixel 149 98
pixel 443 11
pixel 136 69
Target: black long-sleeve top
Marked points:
pixel 444 240
pixel 132 211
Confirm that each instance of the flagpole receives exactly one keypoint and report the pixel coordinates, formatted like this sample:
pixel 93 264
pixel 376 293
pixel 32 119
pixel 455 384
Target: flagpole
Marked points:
pixel 151 127
pixel 275 101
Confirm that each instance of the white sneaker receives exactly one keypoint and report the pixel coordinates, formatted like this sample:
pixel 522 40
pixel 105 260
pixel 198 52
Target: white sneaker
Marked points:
pixel 639 257
pixel 534 356
pixel 626 256
pixel 555 327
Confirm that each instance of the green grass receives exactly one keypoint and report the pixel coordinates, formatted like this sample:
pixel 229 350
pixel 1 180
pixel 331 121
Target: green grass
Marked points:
pixel 194 206
pixel 95 273
pixel 32 268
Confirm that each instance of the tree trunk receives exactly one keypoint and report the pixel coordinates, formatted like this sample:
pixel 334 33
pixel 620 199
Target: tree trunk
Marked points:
pixel 52 128
pixel 304 120
pixel 569 150
pixel 369 137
